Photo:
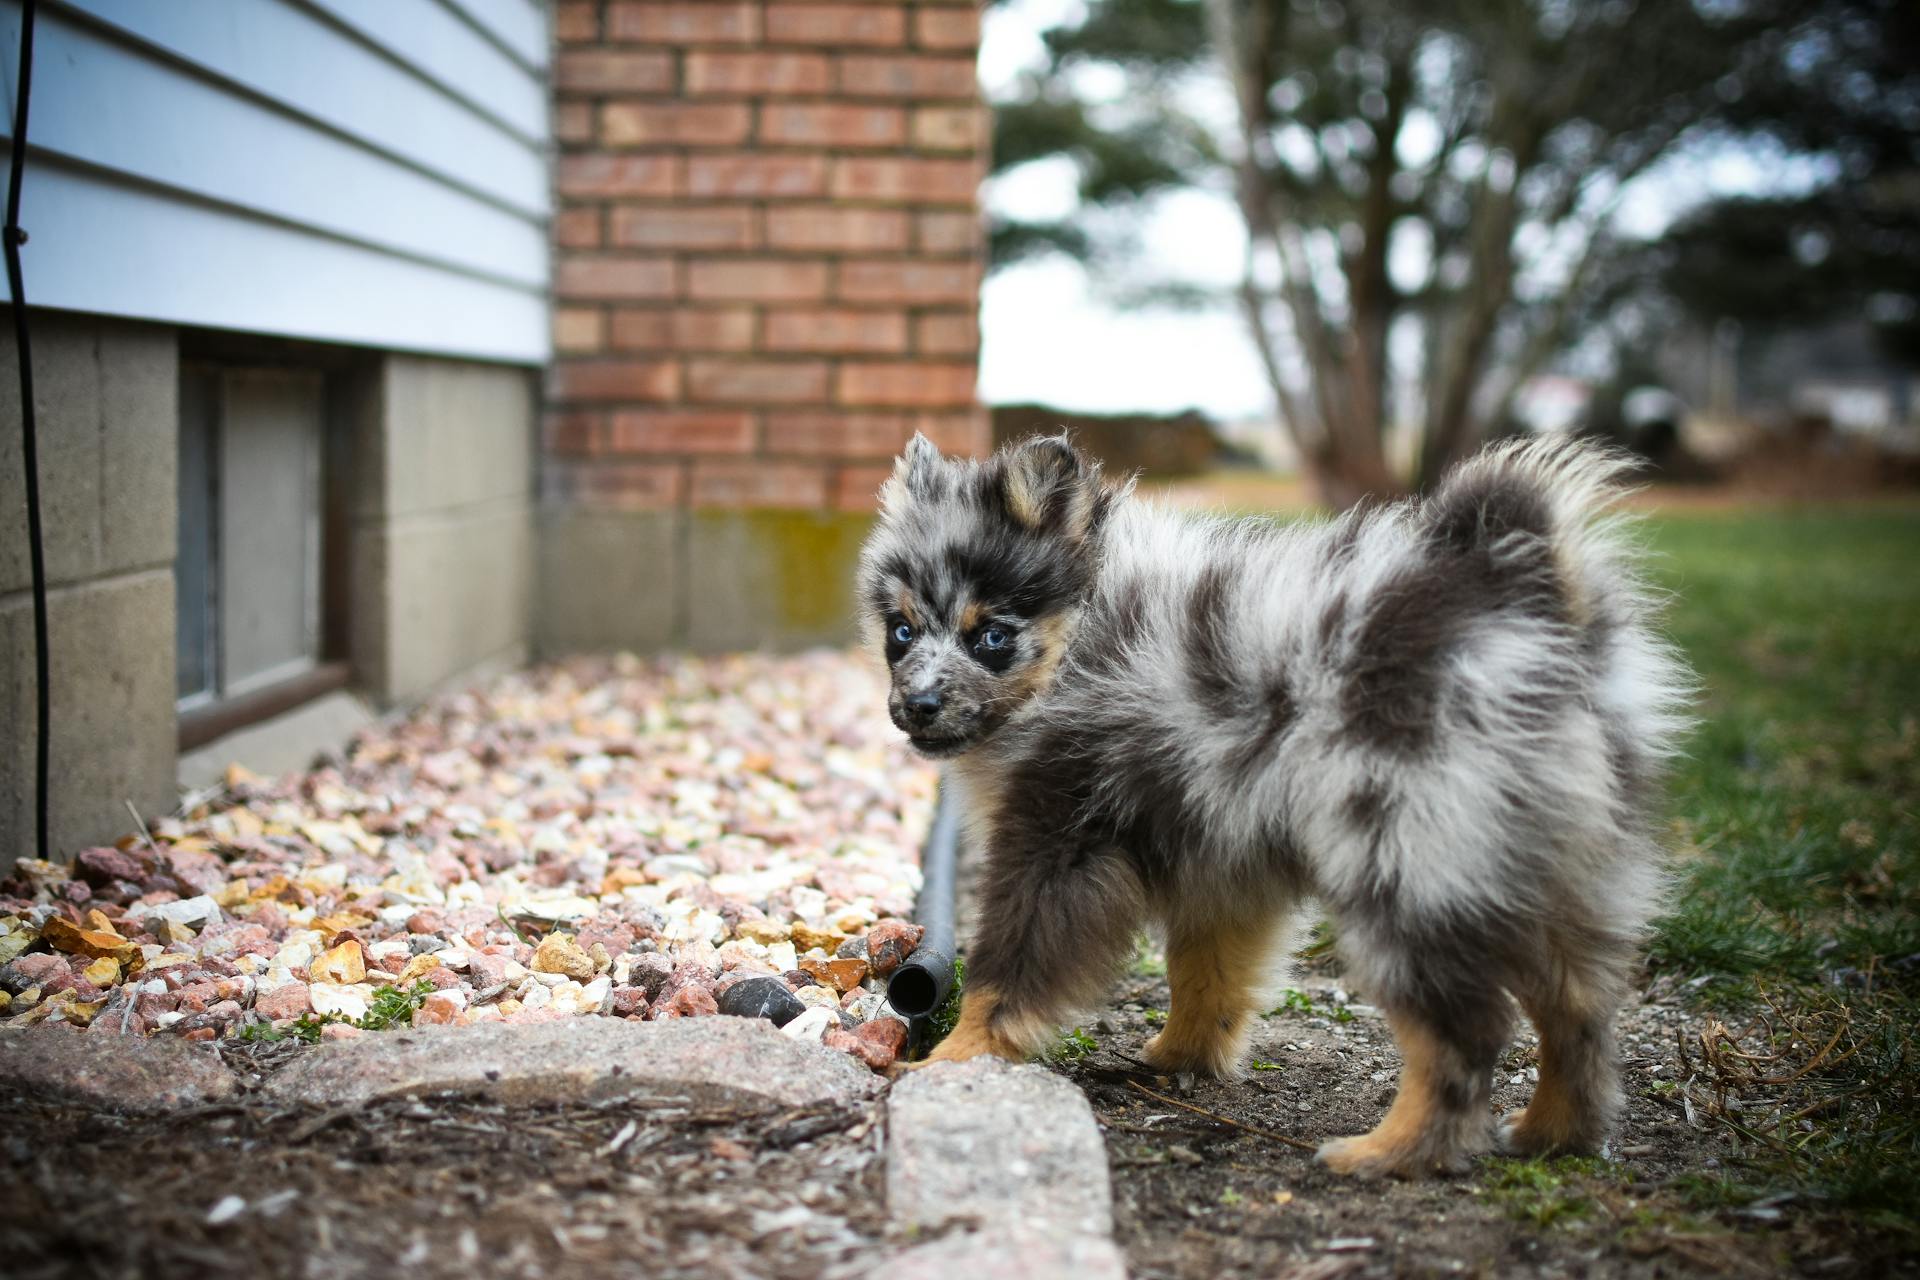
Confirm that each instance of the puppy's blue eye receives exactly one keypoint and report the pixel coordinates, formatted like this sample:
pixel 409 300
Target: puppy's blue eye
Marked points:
pixel 994 638
pixel 903 634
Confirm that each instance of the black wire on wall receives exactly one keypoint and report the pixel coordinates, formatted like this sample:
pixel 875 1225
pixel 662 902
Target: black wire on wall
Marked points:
pixel 11 238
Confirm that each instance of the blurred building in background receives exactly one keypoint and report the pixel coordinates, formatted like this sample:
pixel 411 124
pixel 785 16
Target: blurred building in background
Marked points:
pixel 380 343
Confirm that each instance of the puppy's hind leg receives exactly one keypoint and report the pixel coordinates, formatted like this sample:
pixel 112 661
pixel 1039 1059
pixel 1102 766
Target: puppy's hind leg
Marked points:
pixel 1450 1020
pixel 1217 968
pixel 1571 1000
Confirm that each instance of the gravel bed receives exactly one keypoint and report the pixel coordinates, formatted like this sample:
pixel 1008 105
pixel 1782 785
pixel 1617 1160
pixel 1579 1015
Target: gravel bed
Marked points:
pixel 599 837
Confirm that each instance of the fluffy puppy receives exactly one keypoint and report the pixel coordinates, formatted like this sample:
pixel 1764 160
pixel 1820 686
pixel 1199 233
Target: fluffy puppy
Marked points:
pixel 1444 719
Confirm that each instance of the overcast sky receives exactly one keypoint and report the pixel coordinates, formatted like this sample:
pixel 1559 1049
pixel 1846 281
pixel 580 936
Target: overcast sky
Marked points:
pixel 1052 335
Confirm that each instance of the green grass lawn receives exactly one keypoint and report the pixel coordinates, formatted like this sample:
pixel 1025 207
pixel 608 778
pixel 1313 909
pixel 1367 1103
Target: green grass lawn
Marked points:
pixel 1797 822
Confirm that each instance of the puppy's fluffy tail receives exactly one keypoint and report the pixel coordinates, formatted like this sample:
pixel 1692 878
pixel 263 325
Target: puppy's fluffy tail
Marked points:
pixel 1542 507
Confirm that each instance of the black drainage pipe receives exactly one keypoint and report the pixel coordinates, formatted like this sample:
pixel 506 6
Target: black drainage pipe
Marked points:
pixel 920 986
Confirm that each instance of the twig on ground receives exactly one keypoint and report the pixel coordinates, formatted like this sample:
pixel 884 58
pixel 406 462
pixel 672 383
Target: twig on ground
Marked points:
pixel 1254 1129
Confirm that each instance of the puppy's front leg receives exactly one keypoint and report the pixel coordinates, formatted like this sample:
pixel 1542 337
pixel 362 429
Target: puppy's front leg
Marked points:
pixel 1055 924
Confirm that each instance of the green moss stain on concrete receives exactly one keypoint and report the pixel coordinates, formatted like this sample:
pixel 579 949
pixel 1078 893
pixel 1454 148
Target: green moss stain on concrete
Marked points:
pixel 782 579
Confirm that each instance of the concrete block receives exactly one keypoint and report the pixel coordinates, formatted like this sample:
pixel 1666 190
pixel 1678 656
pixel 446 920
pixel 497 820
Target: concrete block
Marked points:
pixel 115 1073
pixel 66 394
pixel 113 716
pixel 139 458
pixel 458 592
pixel 458 433
pixel 608 580
pixel 771 579
pixel 996 1143
pixel 735 1062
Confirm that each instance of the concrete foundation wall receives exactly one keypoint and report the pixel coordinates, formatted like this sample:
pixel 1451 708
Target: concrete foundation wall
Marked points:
pixel 106 399
pixel 710 581
pixel 443 531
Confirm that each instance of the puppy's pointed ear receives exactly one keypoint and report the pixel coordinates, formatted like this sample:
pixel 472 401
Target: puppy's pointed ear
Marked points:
pixel 913 473
pixel 1051 487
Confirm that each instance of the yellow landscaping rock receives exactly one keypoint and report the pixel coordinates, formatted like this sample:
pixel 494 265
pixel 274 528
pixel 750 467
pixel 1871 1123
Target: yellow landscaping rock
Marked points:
pixel 559 953
pixel 344 965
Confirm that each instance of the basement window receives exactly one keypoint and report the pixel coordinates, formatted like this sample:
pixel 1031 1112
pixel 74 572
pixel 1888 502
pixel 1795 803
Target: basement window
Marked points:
pixel 256 623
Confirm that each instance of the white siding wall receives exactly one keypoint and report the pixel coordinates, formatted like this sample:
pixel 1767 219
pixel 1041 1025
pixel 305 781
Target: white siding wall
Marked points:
pixel 365 171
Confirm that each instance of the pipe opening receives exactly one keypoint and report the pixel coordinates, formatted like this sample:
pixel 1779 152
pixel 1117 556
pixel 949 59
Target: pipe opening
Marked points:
pixel 913 991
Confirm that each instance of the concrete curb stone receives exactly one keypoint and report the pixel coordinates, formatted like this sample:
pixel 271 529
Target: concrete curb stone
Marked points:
pixel 1015 1151
pixel 721 1061
pixel 121 1073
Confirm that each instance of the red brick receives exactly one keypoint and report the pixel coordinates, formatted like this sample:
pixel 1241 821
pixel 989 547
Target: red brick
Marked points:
pixel 599 175
pixel 752 175
pixel 681 431
pixel 955 28
pixel 577 329
pixel 965 434
pixel 827 227
pixel 757 73
pixel 827 124
pixel 576 23
pixel 625 378
pixel 701 23
pixel 586 275
pixel 577 228
pixel 571 433
pixel 744 482
pixel 908 281
pixel 631 485
pixel 603 71
pixel 919 383
pixel 869 76
pixel 573 121
pixel 835 330
pixel 757 381
pixel 916 179
pixel 816 434
pixel 949 232
pixel 950 128
pixel 955 334
pixel 695 124
pixel 858 488
pixel 755 280
pixel 836 24
pixel 680 226
pixel 686 329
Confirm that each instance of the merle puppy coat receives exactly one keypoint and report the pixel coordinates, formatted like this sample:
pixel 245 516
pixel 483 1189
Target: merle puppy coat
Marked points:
pixel 1443 719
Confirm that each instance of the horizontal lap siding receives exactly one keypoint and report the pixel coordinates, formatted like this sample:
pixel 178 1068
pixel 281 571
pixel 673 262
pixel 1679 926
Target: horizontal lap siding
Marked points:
pixel 768 248
pixel 344 170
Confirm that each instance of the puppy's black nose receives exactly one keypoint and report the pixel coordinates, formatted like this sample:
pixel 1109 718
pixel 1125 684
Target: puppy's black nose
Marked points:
pixel 924 705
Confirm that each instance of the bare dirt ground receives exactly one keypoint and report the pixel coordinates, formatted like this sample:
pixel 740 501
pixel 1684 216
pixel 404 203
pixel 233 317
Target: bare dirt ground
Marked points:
pixel 1197 1197
pixel 446 1187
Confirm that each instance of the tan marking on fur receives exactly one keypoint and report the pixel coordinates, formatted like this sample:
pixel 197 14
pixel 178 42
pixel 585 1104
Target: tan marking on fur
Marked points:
pixel 1050 635
pixel 1215 977
pixel 904 603
pixel 1400 1143
pixel 1024 499
pixel 978 1032
pixel 972 614
pixel 1558 1118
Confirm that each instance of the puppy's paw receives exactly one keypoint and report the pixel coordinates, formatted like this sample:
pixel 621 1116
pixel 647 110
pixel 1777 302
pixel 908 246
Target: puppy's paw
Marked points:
pixel 1172 1054
pixel 1523 1133
pixel 1365 1156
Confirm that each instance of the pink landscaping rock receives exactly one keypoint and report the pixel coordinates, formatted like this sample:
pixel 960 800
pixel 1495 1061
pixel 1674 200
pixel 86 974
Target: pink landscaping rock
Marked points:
pixel 340 1031
pixel 616 936
pixel 629 1002
pixel 429 921
pixel 39 969
pixel 442 1008
pixel 285 1002
pixel 890 942
pixel 442 978
pixel 102 866
pixel 689 1002
pixel 877 1043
